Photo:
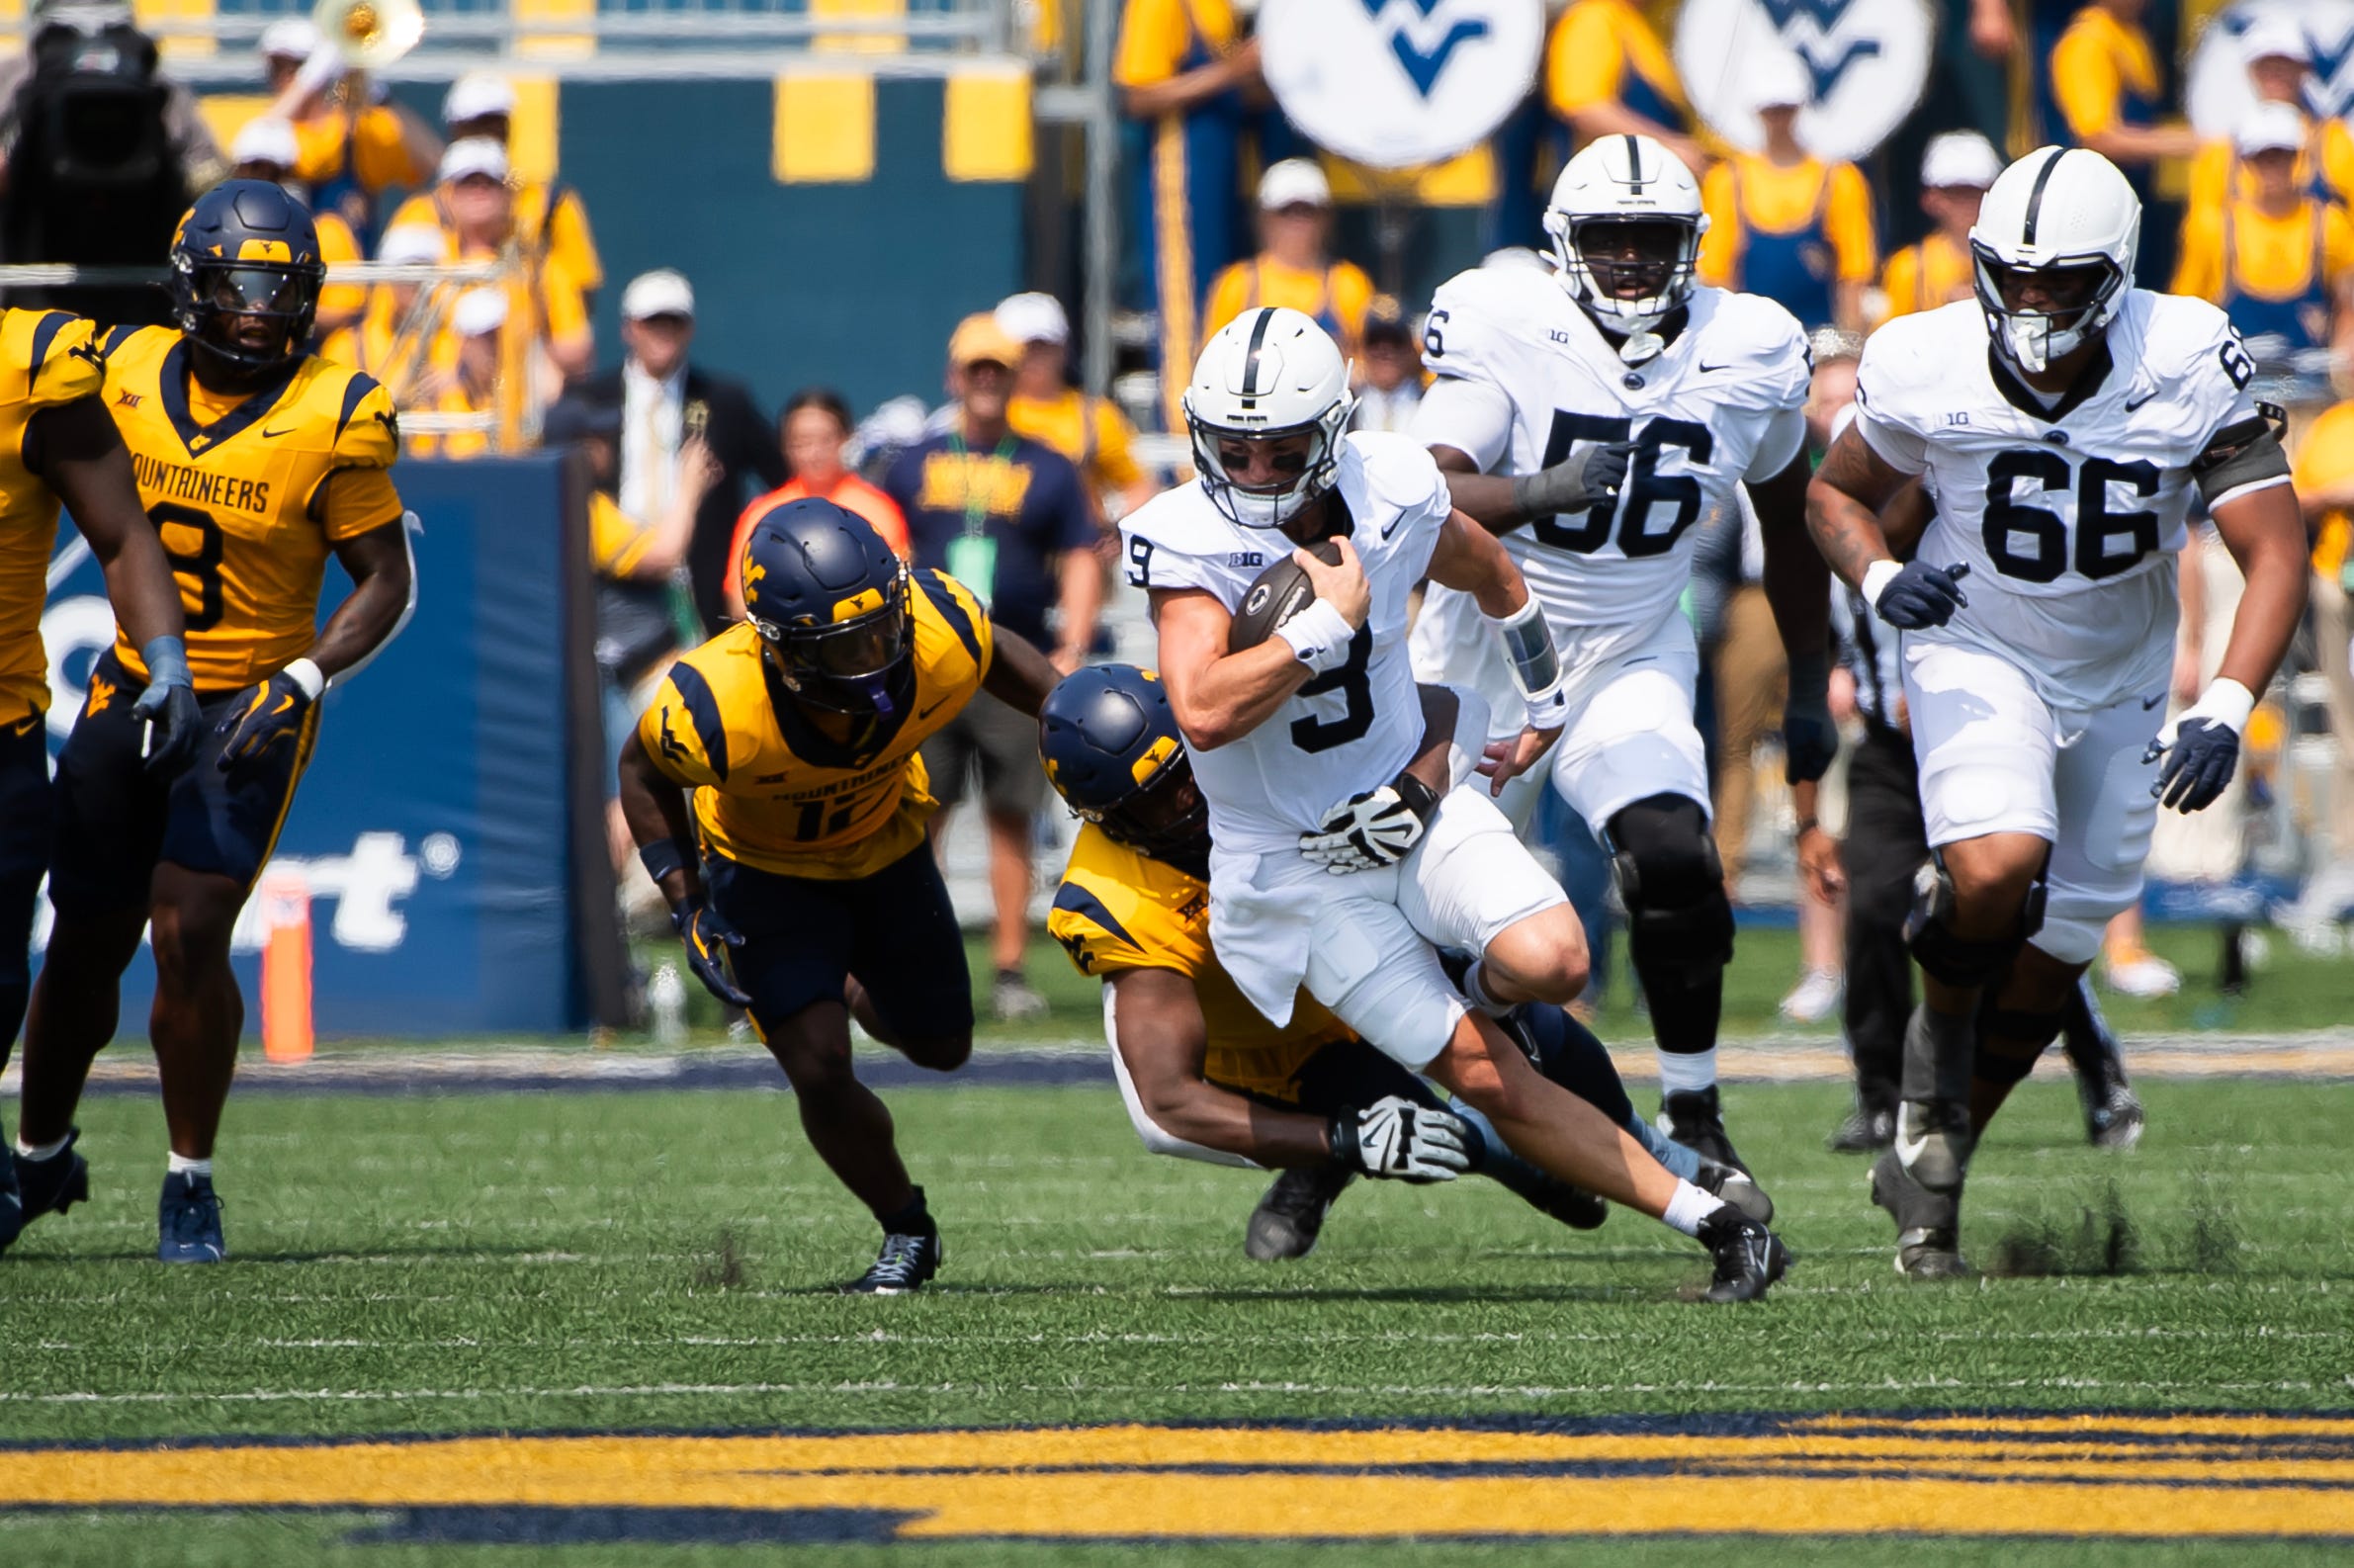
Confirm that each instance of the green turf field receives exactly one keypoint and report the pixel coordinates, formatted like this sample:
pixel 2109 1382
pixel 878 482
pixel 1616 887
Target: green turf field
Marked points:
pixel 634 1262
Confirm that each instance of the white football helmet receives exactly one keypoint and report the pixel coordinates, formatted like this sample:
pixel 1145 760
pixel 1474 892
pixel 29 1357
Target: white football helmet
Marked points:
pixel 1269 374
pixel 2055 207
pixel 1626 179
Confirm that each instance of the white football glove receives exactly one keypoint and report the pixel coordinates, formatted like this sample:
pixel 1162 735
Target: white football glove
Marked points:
pixel 1376 829
pixel 1397 1140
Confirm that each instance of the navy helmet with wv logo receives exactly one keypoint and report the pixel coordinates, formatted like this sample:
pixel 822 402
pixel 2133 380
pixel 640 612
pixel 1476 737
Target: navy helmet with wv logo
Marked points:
pixel 833 604
pixel 1112 751
pixel 245 279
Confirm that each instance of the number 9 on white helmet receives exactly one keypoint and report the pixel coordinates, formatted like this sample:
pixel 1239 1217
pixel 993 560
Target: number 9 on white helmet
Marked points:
pixel 1266 408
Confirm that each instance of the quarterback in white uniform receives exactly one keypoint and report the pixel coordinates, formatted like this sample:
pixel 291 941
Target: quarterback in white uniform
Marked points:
pixel 2062 421
pixel 1592 416
pixel 1330 866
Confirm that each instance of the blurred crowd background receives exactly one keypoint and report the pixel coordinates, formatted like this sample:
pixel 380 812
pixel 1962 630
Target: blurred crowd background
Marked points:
pixel 939 259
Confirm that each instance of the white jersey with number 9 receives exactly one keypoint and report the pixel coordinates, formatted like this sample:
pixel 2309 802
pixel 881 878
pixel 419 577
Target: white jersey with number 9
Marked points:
pixel 2068 512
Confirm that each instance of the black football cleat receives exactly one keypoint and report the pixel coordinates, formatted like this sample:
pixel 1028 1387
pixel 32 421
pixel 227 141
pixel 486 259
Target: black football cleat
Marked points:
pixel 1749 1256
pixel 46 1186
pixel 1737 1188
pixel 188 1222
pixel 1928 1224
pixel 2116 1122
pixel 1290 1213
pixel 1867 1129
pixel 901 1269
pixel 1695 1118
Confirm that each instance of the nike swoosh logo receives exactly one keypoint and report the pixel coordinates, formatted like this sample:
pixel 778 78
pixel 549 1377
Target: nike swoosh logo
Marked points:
pixel 2133 403
pixel 268 434
pixel 925 713
pixel 2148 703
pixel 1391 529
pixel 1908 1150
pixel 1711 370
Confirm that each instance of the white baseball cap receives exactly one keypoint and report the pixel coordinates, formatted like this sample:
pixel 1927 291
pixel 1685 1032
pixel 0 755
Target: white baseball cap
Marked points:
pixel 1295 182
pixel 661 291
pixel 410 245
pixel 472 155
pixel 2275 37
pixel 475 95
pixel 289 39
pixel 268 140
pixel 1961 158
pixel 1779 80
pixel 479 313
pixel 1033 318
pixel 2269 127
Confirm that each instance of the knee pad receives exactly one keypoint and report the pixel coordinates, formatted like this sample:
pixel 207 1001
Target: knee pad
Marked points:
pixel 1929 931
pixel 1672 884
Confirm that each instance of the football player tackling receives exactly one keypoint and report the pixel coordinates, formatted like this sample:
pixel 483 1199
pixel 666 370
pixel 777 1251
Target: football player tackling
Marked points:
pixel 2062 419
pixel 1204 1076
pixel 257 461
pixel 1300 743
pixel 798 875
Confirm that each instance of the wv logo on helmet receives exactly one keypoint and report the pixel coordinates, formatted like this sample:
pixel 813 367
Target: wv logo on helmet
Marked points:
pixel 1423 42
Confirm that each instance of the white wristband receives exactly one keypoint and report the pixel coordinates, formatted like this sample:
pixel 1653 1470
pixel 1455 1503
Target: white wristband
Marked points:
pixel 1319 637
pixel 2224 702
pixel 305 674
pixel 1876 578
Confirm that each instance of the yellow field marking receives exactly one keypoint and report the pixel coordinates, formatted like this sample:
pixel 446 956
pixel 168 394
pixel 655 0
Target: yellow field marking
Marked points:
pixel 2117 1475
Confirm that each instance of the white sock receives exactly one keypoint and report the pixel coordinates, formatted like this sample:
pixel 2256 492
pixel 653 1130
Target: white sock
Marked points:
pixel 1689 1207
pixel 1682 1071
pixel 45 1151
pixel 181 1165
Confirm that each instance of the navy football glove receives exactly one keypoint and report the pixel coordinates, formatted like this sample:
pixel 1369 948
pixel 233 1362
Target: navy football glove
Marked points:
pixel 2198 764
pixel 1810 739
pixel 709 937
pixel 261 720
pixel 1920 594
pixel 174 719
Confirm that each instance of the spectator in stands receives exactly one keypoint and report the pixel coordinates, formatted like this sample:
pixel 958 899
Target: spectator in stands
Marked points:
pixel 478 321
pixel 1187 71
pixel 265 150
pixel 1607 73
pixel 413 355
pixel 2279 259
pixel 1292 267
pixel 2325 476
pixel 1008 516
pixel 1783 223
pixel 546 304
pixel 1089 430
pixel 664 401
pixel 1956 169
pixel 2279 63
pixel 2105 89
pixel 1392 371
pixel 551 222
pixel 815 429
pixel 354 147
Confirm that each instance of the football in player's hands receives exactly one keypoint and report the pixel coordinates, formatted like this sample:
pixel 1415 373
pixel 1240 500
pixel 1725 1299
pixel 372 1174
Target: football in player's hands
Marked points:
pixel 1397 1140
pixel 1275 595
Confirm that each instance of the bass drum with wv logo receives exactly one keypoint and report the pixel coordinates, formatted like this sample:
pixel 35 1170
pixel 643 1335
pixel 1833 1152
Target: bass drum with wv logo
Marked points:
pixel 1868 60
pixel 1395 84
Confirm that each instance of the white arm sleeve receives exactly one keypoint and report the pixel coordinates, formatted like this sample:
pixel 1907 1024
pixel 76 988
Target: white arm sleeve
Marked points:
pixel 1786 434
pixel 1472 416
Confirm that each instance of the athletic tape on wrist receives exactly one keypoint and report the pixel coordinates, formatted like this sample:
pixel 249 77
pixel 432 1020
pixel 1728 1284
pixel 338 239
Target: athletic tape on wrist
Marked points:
pixel 166 659
pixel 1319 636
pixel 661 859
pixel 2225 702
pixel 305 674
pixel 1876 578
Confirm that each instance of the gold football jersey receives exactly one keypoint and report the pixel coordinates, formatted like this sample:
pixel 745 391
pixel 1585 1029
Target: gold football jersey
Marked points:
pixel 45 361
pixel 239 489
